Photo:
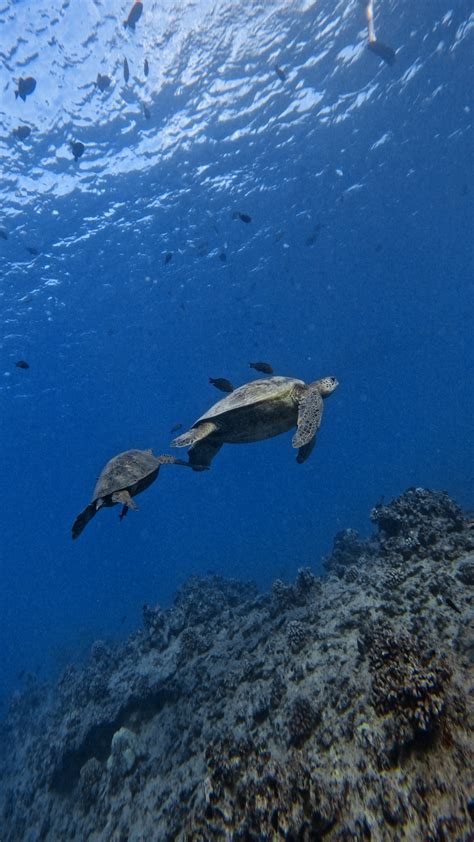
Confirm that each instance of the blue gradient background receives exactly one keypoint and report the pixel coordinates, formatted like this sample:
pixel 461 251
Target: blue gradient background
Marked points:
pixel 121 346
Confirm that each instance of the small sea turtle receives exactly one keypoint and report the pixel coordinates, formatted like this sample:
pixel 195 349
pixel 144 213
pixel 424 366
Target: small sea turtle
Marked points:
pixel 123 477
pixel 256 411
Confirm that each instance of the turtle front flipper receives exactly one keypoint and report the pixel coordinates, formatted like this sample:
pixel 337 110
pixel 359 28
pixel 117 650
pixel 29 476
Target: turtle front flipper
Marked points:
pixel 166 459
pixel 310 411
pixel 305 452
pixel 125 498
pixel 82 520
pixel 202 454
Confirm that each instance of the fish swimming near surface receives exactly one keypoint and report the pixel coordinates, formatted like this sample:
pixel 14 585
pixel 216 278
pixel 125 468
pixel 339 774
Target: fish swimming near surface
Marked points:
pixel 168 257
pixel 146 112
pixel 176 427
pixel 103 81
pixel 22 132
pixel 146 67
pixel 126 71
pixel 134 15
pixel 22 364
pixel 383 51
pixel 77 149
pixel 280 73
pixel 25 87
pixel 265 368
pixel 222 384
pixel 244 217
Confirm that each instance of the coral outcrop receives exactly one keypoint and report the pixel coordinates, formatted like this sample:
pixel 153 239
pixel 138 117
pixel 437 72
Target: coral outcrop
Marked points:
pixel 332 708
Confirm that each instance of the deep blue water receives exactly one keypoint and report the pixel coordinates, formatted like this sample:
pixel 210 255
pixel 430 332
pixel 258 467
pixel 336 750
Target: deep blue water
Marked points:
pixel 373 163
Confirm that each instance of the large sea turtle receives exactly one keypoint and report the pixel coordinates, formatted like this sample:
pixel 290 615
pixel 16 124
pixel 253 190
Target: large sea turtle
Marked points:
pixel 256 411
pixel 123 477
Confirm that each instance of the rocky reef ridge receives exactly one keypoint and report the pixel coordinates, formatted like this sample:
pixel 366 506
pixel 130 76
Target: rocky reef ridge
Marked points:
pixel 333 708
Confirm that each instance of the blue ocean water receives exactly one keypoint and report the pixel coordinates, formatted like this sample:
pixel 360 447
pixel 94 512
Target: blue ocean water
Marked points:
pixel 357 262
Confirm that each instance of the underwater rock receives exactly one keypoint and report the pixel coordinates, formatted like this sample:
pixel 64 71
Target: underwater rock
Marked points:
pixel 331 708
pixel 123 753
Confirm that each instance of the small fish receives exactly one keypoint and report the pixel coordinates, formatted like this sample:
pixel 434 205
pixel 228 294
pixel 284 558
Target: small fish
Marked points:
pixel 146 67
pixel 25 87
pixel 263 367
pixel 22 364
pixel 168 257
pixel 280 73
pixel 77 149
pixel 22 132
pixel 126 71
pixel 244 217
pixel 383 51
pixel 134 15
pixel 3 234
pixel 33 251
pixel 146 112
pixel 223 257
pixel 310 241
pixel 222 384
pixel 452 604
pixel 103 81
pixel 176 427
pixel 203 248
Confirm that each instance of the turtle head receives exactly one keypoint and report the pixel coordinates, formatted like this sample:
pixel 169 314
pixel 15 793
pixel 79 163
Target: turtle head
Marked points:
pixel 326 385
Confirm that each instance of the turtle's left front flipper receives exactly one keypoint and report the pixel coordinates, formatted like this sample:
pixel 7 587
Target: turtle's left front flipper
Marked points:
pixel 310 412
pixel 166 459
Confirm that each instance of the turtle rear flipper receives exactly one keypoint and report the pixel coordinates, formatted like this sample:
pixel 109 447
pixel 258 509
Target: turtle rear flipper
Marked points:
pixel 202 454
pixel 310 411
pixel 194 435
pixel 82 520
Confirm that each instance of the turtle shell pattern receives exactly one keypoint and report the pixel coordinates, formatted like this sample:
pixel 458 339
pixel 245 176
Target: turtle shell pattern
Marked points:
pixel 124 470
pixel 252 394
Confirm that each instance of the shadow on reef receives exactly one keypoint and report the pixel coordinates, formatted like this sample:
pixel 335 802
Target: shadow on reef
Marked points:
pixel 328 709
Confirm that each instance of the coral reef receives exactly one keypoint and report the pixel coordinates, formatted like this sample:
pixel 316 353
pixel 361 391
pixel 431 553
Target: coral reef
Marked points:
pixel 332 708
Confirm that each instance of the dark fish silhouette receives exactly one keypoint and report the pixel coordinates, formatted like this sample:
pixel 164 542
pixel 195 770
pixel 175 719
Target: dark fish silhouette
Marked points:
pixel 310 241
pixel 176 427
pixel 146 112
pixel 25 87
pixel 3 235
pixel 383 51
pixel 263 367
pixel 168 257
pixel 77 149
pixel 126 71
pixel 244 217
pixel 22 132
pixel 32 250
pixel 146 67
pixel 103 81
pixel 22 364
pixel 134 15
pixel 280 73
pixel 222 384
pixel 223 257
